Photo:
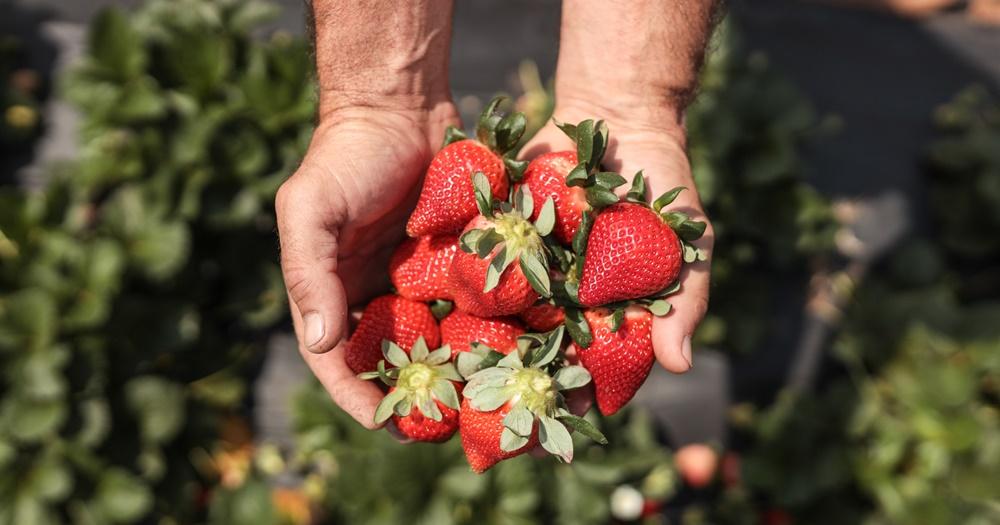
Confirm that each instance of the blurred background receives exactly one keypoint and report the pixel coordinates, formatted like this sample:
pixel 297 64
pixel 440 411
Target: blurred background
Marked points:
pixel 848 372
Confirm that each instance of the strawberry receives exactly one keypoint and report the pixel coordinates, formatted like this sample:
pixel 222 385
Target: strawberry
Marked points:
pixel 459 330
pixel 545 176
pixel 481 436
pixel 419 267
pixel 446 201
pixel 573 178
pixel 619 359
pixel 483 279
pixel 392 318
pixel 697 463
pixel 423 391
pixel 543 316
pixel 633 251
pixel 511 407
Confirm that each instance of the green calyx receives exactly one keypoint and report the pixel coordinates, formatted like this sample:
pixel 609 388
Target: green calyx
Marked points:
pixel 523 380
pixel 511 229
pixel 501 133
pixel 419 380
pixel 591 140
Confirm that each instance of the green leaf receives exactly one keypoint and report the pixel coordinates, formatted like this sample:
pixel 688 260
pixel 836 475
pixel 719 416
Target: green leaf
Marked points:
pixel 585 142
pixel 554 438
pixel 617 318
pixel 667 198
pixel 601 135
pixel 158 405
pixel 452 135
pixel 584 427
pixel 570 377
pixel 578 176
pixel 115 46
pixel 419 351
pixel 659 307
pixel 444 391
pixel 394 354
pixel 536 272
pixel 449 372
pixel 519 420
pixel 609 179
pixel 483 193
pixel 439 356
pixel 488 122
pixel 441 308
pixel 509 441
pixel 511 360
pixel 600 197
pixel 567 128
pixel 515 168
pixel 469 241
pixel 577 327
pixel 524 204
pixel 638 192
pixel 122 497
pixel 546 217
pixel 403 407
pixel 385 408
pixel 691 230
pixel 429 408
pixel 468 363
pixel 582 234
pixel 497 266
pixel 550 349
pixel 509 131
pixel 489 399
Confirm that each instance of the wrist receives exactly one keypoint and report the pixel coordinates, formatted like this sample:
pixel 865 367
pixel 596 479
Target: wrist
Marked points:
pixel 382 54
pixel 628 114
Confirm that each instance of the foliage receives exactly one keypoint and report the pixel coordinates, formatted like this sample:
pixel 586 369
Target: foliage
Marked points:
pixel 964 166
pixel 137 289
pixel 366 478
pixel 747 129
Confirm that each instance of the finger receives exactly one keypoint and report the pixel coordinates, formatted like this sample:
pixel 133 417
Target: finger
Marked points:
pixel 355 396
pixel 309 262
pixel 672 334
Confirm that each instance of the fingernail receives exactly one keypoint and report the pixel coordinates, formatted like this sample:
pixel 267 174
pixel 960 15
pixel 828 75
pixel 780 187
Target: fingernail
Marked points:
pixel 686 350
pixel 314 329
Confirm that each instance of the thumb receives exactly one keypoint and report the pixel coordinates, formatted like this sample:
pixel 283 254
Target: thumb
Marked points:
pixel 309 263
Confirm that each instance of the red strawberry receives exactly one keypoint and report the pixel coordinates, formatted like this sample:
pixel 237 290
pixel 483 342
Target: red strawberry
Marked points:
pixel 511 407
pixel 446 200
pixel 631 253
pixel 459 329
pixel 419 427
pixel 511 292
pixel 480 433
pixel 419 267
pixel 618 361
pixel 543 316
pixel 423 394
pixel 545 176
pixel 392 318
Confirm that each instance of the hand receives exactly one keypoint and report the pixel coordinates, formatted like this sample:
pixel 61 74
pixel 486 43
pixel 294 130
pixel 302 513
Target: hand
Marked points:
pixel 657 148
pixel 340 216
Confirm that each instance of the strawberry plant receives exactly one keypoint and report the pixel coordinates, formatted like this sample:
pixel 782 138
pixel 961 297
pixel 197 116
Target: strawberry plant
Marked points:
pixel 138 287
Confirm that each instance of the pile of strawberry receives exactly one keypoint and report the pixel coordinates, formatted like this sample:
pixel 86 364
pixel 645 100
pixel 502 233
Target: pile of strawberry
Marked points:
pixel 499 247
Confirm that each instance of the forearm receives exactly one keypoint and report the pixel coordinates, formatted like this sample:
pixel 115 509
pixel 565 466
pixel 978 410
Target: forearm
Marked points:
pixel 633 56
pixel 382 53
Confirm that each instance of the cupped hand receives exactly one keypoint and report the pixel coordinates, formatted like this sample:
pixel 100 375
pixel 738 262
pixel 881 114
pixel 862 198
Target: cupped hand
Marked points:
pixel 658 149
pixel 340 216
